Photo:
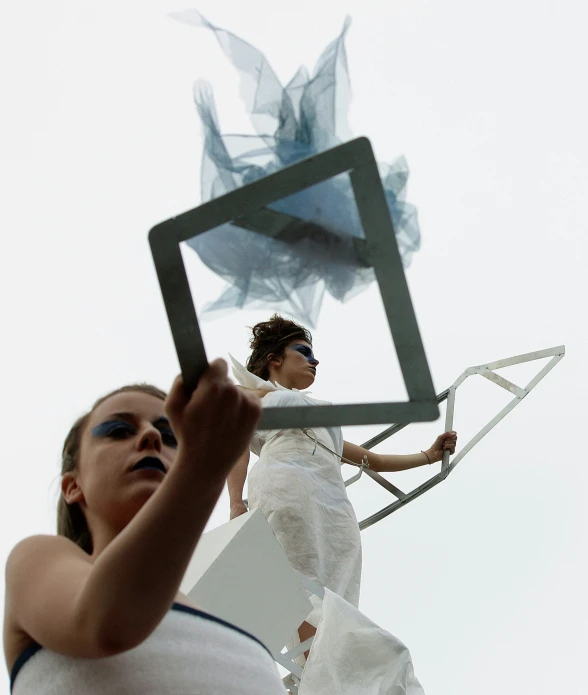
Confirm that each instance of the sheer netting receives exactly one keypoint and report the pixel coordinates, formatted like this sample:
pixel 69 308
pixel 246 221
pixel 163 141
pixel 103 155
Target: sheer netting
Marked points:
pixel 307 116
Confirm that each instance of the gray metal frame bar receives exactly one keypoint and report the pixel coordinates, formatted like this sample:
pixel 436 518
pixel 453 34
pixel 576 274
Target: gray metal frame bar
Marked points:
pixel 487 371
pixel 247 208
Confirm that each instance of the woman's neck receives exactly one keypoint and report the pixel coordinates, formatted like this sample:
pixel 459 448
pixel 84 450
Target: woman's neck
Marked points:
pixel 282 381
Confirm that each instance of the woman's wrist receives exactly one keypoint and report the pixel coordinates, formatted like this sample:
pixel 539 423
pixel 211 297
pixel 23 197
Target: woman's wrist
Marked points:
pixel 192 470
pixel 428 457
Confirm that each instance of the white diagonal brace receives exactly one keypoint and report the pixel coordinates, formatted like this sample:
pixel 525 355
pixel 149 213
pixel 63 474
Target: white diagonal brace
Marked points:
pixel 501 381
pixel 288 664
pixel 298 649
pixel 483 432
pixel 384 482
pixel 354 478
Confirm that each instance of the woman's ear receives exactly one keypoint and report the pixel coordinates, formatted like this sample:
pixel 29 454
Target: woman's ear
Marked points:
pixel 70 488
pixel 273 360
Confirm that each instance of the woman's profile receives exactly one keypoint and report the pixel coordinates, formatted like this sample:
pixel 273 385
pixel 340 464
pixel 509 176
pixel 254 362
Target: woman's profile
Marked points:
pixel 97 608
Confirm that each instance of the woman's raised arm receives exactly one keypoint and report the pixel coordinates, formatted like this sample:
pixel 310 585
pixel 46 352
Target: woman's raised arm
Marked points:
pixel 58 596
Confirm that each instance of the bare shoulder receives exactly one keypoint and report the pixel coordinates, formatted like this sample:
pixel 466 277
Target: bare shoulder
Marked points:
pixel 35 549
pixel 31 556
pixel 30 567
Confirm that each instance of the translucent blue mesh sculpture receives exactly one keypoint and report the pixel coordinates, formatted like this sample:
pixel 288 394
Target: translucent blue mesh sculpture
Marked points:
pixel 309 116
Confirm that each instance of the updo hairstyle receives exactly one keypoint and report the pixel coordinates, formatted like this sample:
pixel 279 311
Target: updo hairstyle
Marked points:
pixel 270 338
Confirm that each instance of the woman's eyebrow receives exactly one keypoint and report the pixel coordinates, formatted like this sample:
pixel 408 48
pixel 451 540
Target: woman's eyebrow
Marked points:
pixel 120 416
pixel 132 417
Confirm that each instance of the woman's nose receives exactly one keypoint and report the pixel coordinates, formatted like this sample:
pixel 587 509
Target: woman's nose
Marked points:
pixel 150 439
pixel 313 360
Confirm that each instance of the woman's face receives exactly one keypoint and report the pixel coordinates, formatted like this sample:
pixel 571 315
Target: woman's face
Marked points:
pixel 126 450
pixel 296 368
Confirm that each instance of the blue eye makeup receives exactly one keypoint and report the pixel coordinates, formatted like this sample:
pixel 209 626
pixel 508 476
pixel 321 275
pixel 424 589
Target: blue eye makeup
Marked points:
pixel 307 352
pixel 118 429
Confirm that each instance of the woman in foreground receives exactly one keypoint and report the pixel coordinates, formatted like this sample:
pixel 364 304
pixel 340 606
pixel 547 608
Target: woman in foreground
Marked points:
pixel 297 481
pixel 97 609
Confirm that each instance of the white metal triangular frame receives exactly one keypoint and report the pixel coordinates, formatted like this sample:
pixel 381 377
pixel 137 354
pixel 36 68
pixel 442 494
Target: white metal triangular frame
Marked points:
pixel 488 371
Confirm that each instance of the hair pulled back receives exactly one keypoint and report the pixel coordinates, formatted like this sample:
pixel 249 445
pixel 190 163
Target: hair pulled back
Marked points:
pixel 71 521
pixel 271 338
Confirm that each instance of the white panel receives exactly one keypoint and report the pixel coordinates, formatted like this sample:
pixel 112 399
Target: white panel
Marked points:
pixel 240 573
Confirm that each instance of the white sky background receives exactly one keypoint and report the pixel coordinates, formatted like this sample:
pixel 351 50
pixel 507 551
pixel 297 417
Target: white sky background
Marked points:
pixel 483 577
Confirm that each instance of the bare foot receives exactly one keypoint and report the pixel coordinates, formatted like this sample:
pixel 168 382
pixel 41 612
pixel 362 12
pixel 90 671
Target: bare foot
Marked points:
pixel 306 631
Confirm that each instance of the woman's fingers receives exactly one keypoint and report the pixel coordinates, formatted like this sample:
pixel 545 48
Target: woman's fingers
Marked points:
pixel 450 441
pixel 216 370
pixel 445 442
pixel 216 422
pixel 176 399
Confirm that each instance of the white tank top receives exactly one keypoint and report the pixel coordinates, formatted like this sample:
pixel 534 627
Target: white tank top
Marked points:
pixel 189 653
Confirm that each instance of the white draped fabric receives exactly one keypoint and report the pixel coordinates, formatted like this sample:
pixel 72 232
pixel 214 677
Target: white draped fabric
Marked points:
pixel 351 655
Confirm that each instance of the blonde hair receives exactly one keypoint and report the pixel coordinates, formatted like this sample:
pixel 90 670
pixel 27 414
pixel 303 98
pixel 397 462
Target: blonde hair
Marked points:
pixel 71 521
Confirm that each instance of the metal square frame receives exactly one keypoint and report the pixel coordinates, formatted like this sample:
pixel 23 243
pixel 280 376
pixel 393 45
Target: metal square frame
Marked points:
pixel 246 207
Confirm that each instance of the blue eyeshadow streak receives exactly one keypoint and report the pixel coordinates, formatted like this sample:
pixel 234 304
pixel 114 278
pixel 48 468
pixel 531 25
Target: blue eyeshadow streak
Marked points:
pixel 307 352
pixel 107 428
pixel 104 429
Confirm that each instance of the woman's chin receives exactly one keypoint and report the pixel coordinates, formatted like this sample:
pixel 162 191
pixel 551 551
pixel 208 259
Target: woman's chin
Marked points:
pixel 305 383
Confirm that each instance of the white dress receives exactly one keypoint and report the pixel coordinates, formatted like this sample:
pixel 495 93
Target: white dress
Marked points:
pixel 351 655
pixel 298 486
pixel 189 652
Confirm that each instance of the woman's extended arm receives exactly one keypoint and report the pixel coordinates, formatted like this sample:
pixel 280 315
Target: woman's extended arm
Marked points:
pixel 238 475
pixel 62 599
pixel 384 463
pixel 236 483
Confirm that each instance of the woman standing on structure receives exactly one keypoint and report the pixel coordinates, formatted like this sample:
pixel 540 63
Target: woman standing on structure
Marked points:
pixel 297 481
